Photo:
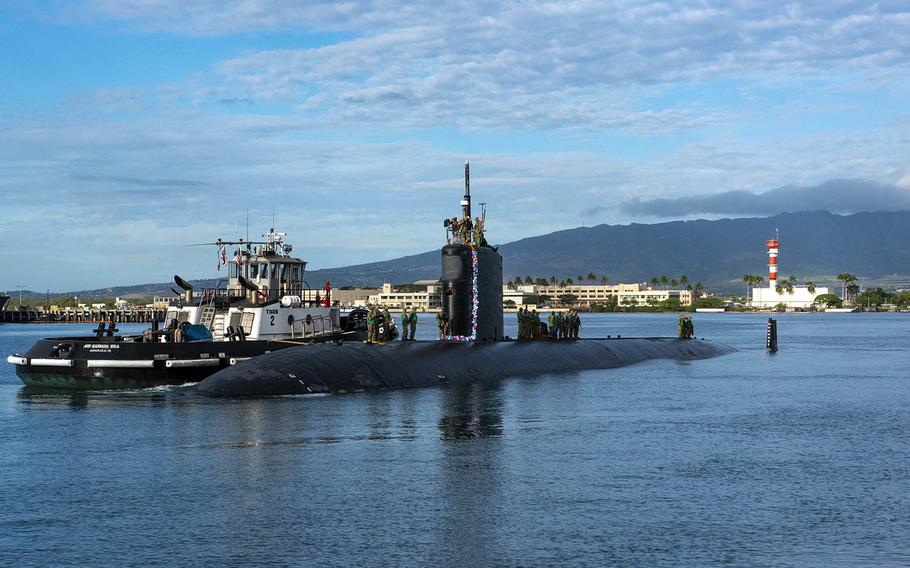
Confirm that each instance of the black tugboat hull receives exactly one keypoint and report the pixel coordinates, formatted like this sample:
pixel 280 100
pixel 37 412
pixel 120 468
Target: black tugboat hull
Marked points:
pixel 109 363
pixel 360 367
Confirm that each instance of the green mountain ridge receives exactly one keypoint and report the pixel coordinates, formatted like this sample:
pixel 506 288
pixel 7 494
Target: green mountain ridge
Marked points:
pixel 815 245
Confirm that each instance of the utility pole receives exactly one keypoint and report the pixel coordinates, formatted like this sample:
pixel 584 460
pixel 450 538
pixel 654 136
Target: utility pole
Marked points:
pixel 20 287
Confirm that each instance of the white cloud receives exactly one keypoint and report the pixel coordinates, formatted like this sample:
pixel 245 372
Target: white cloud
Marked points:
pixel 531 65
pixel 566 109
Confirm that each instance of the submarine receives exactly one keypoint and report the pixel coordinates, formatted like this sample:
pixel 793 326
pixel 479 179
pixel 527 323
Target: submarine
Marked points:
pixel 474 347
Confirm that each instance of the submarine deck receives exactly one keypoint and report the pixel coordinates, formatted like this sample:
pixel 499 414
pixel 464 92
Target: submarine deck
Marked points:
pixel 354 367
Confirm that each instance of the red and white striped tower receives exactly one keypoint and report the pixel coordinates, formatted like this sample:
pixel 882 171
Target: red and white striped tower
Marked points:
pixel 773 246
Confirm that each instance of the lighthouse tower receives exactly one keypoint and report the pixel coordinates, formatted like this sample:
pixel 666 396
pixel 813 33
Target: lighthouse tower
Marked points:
pixel 773 247
pixel 794 297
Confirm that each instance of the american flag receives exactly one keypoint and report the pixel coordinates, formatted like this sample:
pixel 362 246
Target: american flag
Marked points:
pixel 238 258
pixel 222 257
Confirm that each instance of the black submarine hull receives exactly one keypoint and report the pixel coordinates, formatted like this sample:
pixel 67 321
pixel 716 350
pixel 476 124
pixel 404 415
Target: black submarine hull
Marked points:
pixel 361 367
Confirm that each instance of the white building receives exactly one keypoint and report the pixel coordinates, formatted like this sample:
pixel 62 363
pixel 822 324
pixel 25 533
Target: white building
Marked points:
pixel 800 297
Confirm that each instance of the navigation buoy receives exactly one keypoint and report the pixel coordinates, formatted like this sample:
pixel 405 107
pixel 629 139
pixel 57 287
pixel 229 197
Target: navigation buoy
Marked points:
pixel 772 335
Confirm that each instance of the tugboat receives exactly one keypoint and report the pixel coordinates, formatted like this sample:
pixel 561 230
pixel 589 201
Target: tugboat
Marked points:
pixel 266 306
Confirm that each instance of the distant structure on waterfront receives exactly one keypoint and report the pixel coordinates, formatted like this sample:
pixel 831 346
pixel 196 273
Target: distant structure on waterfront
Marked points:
pixel 590 294
pixel 774 295
pixel 426 295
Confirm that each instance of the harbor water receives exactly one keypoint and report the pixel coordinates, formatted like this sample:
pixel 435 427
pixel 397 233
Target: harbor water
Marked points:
pixel 798 458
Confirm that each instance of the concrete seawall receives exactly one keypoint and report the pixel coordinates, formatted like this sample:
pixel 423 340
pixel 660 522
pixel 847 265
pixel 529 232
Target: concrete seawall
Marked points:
pixel 356 367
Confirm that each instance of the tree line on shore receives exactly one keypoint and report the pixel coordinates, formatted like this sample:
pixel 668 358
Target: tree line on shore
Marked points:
pixel 553 281
pixel 603 279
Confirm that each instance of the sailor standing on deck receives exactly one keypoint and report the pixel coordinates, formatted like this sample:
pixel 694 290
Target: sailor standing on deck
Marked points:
pixel 442 320
pixel 404 324
pixel 371 324
pixel 412 320
pixel 387 325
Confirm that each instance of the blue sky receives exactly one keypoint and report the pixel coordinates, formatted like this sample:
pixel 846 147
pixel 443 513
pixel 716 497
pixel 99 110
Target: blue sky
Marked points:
pixel 131 128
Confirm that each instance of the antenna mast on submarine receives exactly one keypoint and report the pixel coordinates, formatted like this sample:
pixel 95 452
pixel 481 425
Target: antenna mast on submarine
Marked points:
pixel 466 202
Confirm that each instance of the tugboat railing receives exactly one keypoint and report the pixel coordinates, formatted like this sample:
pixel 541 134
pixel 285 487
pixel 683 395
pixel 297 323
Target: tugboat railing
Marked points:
pixel 317 326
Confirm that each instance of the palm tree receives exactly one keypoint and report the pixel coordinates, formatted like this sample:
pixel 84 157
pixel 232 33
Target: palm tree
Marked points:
pixel 683 280
pixel 655 281
pixel 810 286
pixel 790 284
pixel 699 287
pixel 853 289
pixel 846 278
pixel 528 280
pixel 579 278
pixel 748 279
pixel 592 278
pixel 787 284
pixel 569 282
pixel 673 283
pixel 553 280
pixel 510 286
pixel 663 280
pixel 751 280
pixel 604 279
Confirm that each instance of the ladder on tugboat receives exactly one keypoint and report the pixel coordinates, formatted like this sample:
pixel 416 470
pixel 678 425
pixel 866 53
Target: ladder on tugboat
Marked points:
pixel 208 317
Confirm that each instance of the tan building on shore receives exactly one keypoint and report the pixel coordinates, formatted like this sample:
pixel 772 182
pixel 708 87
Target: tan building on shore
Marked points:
pixel 345 298
pixel 427 297
pixel 589 294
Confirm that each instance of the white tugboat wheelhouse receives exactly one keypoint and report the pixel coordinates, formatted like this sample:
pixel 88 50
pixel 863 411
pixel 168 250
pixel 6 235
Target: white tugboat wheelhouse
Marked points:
pixel 264 297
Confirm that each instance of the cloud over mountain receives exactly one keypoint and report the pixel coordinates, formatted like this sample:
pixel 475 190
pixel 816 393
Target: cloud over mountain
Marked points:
pixel 836 196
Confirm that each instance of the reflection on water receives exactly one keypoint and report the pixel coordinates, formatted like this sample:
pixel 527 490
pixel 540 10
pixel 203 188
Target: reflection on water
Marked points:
pixel 40 397
pixel 472 411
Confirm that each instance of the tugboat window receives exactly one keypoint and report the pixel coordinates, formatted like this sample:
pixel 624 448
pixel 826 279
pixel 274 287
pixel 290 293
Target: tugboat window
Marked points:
pixel 254 271
pixel 274 271
pixel 233 269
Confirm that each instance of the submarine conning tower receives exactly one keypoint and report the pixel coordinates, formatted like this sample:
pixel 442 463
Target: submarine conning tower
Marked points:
pixel 471 277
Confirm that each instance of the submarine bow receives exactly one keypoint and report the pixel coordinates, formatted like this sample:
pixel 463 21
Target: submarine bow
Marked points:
pixel 329 368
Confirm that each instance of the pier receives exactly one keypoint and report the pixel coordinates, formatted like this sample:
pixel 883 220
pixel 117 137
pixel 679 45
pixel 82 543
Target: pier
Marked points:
pixel 93 315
